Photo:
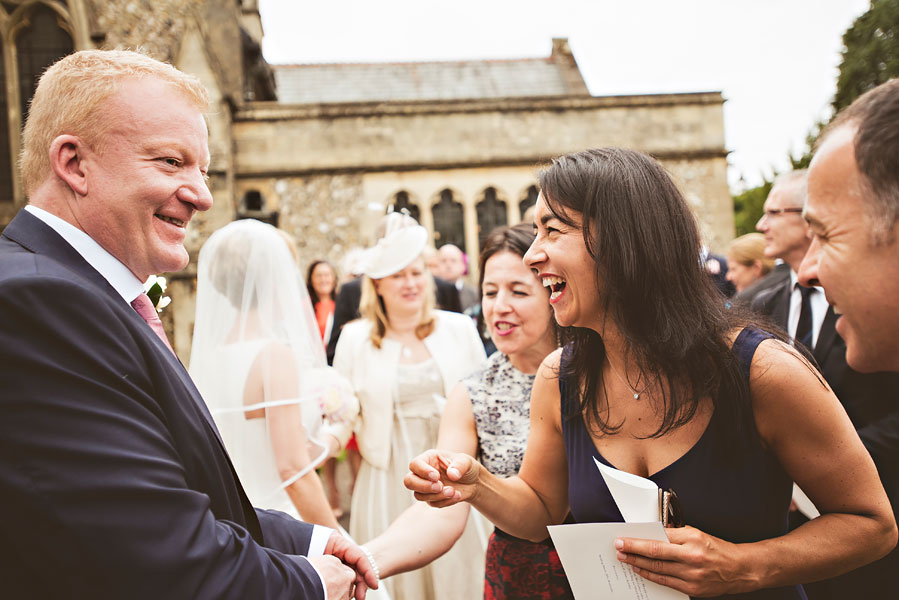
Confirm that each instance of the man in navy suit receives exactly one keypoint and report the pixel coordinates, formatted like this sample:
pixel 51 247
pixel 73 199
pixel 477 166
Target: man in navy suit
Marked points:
pixel 853 214
pixel 867 397
pixel 115 483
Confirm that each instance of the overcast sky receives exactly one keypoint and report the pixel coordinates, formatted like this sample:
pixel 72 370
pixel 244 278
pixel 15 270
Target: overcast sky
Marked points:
pixel 774 60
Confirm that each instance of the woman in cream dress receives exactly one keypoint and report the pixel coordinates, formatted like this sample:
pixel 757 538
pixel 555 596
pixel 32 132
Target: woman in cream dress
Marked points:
pixel 402 358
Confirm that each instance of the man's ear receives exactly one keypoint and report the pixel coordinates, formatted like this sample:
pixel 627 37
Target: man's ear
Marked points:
pixel 66 156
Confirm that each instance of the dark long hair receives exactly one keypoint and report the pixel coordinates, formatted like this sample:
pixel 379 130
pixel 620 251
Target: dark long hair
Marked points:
pixel 645 246
pixel 312 295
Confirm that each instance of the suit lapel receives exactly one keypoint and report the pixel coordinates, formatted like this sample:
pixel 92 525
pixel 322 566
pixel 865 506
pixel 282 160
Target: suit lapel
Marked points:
pixel 36 236
pixel 826 336
pixel 781 310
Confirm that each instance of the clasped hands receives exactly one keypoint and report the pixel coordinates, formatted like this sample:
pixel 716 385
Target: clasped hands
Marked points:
pixel 693 562
pixel 345 569
pixel 443 479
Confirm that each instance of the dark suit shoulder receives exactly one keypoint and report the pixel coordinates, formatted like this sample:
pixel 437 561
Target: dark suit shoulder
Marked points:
pixel 766 299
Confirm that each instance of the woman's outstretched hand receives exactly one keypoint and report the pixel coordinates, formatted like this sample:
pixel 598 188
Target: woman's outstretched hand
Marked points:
pixel 442 478
pixel 692 562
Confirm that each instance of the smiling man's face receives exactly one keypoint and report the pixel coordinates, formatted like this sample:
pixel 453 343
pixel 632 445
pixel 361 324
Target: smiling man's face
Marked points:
pixel 146 177
pixel 860 277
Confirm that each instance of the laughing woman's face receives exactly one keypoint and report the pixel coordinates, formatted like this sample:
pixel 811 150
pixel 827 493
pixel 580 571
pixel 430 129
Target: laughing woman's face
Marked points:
pixel 560 258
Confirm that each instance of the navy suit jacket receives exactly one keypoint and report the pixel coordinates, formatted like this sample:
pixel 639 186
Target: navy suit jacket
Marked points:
pixel 114 482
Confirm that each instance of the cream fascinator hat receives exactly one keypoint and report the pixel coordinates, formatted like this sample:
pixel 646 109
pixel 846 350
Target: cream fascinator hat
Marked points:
pixel 404 240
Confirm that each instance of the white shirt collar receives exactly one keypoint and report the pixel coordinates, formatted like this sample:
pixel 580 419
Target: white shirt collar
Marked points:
pixel 117 274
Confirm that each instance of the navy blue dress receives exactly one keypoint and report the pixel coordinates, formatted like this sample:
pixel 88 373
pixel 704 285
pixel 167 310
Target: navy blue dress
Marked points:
pixel 739 497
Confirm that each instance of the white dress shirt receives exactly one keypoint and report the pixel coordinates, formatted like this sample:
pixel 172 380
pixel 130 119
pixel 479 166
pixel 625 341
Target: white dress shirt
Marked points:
pixel 130 287
pixel 818 302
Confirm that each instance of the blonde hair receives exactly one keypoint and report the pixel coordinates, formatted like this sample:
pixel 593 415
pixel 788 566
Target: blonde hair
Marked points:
pixel 371 307
pixel 69 96
pixel 749 248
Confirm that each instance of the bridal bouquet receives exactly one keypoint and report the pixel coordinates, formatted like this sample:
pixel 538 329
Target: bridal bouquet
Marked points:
pixel 335 395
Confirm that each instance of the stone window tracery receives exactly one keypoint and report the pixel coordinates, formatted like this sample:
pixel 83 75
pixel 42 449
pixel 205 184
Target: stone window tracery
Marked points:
pixel 401 201
pixel 491 213
pixel 528 201
pixel 33 35
pixel 448 221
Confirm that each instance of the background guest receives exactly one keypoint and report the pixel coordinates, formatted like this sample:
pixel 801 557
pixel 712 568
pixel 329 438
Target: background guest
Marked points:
pixel 347 307
pixel 321 283
pixel 716 269
pixel 663 381
pixel 746 261
pixel 256 350
pixel 487 414
pixel 402 359
pixel 453 267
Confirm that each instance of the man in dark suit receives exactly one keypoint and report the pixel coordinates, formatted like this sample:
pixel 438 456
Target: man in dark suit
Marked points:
pixel 868 398
pixel 775 278
pixel 115 482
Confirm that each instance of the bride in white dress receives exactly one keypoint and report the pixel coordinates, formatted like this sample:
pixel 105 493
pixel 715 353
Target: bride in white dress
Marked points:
pixel 260 366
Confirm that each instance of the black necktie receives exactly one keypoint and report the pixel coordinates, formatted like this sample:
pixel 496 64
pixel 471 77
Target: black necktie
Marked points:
pixel 804 328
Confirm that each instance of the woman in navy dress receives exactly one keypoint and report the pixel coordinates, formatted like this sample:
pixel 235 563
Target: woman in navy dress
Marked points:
pixel 662 381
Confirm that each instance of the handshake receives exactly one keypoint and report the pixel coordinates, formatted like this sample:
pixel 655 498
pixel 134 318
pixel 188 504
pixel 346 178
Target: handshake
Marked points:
pixel 346 569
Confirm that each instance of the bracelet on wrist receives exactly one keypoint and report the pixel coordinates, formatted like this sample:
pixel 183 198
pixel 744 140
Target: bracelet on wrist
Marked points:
pixel 371 561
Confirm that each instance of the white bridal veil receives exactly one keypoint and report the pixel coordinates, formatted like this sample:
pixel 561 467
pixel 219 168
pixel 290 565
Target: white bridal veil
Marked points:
pixel 258 360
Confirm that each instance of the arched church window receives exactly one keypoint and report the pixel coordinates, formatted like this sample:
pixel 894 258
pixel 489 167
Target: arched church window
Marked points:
pixel 448 221
pixel 252 206
pixel 6 163
pixel 528 201
pixel 491 214
pixel 401 201
pixel 253 201
pixel 38 46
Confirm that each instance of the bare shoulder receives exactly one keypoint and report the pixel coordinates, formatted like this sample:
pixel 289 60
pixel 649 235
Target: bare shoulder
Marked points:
pixel 775 360
pixel 276 352
pixel 788 392
pixel 549 368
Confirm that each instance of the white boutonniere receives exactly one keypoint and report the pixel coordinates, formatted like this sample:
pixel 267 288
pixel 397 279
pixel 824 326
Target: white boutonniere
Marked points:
pixel 155 288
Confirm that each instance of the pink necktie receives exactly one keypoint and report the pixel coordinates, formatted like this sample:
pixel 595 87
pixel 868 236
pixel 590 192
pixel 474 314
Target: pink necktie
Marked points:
pixel 144 307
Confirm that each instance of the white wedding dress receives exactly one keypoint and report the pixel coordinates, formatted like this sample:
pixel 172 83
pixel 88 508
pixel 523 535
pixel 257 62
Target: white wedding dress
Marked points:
pixel 247 440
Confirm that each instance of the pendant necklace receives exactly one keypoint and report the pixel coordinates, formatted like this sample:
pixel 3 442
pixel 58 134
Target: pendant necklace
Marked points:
pixel 625 382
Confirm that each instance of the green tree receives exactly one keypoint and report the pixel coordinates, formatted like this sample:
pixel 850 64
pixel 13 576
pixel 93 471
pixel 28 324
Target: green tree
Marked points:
pixel 870 52
pixel 870 57
pixel 748 206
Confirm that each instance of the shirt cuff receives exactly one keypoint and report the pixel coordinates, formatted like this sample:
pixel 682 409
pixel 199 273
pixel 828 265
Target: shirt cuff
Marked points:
pixel 320 536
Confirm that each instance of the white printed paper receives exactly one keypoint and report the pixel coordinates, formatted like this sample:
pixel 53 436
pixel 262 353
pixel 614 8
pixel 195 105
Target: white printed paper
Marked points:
pixel 587 552
pixel 637 497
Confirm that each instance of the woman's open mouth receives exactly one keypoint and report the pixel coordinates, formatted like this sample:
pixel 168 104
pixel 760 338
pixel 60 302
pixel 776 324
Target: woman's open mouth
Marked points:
pixel 555 284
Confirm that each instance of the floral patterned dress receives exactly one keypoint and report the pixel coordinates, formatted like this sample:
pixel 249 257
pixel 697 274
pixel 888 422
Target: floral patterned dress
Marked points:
pixel 500 399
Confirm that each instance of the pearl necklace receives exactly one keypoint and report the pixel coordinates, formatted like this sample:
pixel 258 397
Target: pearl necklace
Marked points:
pixel 625 382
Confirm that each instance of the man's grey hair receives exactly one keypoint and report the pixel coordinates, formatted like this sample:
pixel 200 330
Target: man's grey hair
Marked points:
pixel 797 182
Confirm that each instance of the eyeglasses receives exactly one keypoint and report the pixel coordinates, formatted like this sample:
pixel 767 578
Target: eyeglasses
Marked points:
pixel 771 212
